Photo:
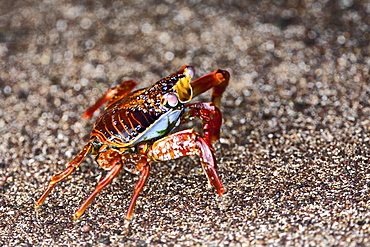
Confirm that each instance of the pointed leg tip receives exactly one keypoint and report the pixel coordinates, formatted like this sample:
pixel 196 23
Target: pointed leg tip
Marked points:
pixel 38 203
pixel 221 192
pixel 77 216
pixel 129 217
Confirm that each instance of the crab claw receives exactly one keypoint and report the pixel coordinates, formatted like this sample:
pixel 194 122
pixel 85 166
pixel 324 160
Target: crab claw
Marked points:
pixel 208 161
pixel 192 143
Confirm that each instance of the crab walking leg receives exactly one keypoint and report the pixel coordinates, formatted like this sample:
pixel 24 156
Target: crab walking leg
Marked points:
pixel 101 185
pixel 72 166
pixel 208 161
pixel 211 117
pixel 218 79
pixel 112 95
pixel 185 143
pixel 138 188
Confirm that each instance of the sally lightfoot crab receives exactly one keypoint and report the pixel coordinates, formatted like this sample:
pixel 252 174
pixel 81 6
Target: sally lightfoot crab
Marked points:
pixel 137 129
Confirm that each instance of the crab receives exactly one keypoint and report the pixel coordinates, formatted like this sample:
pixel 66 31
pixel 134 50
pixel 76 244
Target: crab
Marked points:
pixel 138 128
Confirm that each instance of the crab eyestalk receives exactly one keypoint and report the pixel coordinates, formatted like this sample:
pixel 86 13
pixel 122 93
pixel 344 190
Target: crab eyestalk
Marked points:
pixel 183 87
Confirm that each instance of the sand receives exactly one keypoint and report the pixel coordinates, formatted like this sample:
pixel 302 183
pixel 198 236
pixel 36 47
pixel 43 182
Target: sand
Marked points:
pixel 294 148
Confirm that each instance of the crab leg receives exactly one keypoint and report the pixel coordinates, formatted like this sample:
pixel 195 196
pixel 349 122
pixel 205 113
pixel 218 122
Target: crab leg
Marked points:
pixel 211 117
pixel 138 188
pixel 72 166
pixel 101 185
pixel 112 95
pixel 185 143
pixel 218 79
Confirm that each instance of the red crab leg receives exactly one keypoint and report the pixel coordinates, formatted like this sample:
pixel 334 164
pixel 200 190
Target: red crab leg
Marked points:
pixel 138 188
pixel 101 185
pixel 218 79
pixel 112 95
pixel 185 143
pixel 211 117
pixel 72 166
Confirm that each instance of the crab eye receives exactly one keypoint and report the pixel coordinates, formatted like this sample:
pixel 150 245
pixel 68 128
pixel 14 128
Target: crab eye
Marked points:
pixel 189 71
pixel 170 100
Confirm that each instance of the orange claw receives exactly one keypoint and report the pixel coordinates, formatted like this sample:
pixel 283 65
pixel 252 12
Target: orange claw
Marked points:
pixel 208 161
pixel 195 145
pixel 211 118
